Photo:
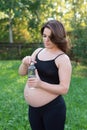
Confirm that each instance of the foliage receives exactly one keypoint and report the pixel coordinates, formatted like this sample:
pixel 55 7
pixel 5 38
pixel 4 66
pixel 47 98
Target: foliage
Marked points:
pixel 13 108
pixel 17 51
pixel 79 45
pixel 26 17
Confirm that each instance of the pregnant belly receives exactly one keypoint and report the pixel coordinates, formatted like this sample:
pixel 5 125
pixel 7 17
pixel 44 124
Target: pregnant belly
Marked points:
pixel 37 97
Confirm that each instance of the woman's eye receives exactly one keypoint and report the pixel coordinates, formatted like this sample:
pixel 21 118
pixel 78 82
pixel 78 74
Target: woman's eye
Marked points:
pixel 44 36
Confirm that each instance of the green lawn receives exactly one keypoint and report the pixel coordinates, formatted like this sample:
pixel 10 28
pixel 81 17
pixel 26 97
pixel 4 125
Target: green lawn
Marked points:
pixel 13 108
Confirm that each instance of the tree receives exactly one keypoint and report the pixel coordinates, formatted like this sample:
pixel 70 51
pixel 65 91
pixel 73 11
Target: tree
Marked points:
pixel 13 9
pixel 30 15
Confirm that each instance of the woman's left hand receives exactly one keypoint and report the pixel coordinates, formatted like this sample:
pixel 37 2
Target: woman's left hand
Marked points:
pixel 34 82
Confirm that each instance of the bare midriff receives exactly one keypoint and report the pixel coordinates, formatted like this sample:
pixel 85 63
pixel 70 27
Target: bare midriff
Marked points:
pixel 37 97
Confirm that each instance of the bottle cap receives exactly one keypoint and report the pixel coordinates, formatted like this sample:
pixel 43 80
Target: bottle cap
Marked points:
pixel 32 63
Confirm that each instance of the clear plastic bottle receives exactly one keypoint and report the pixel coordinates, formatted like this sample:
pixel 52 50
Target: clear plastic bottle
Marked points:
pixel 31 70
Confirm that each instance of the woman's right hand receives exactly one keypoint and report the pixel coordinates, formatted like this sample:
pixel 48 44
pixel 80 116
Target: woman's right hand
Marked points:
pixel 27 60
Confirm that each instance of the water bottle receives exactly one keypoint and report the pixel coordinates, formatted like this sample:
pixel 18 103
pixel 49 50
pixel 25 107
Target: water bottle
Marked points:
pixel 31 70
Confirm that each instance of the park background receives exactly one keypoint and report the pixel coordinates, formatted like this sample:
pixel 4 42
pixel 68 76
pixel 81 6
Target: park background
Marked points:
pixel 20 23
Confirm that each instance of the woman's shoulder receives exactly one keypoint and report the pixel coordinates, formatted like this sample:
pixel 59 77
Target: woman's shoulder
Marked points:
pixel 36 52
pixel 63 60
pixel 63 56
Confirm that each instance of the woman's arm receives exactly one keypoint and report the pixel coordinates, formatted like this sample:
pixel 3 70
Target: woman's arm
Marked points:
pixel 23 68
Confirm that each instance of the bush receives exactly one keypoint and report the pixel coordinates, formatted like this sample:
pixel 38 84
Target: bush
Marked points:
pixel 16 51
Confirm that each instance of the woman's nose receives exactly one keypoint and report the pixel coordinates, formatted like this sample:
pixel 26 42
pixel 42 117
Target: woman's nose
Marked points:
pixel 47 38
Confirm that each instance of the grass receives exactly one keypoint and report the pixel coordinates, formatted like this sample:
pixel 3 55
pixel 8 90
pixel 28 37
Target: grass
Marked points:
pixel 13 108
pixel 76 99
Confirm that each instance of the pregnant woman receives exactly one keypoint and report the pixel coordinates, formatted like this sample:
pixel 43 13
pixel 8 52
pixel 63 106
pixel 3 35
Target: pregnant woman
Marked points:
pixel 47 108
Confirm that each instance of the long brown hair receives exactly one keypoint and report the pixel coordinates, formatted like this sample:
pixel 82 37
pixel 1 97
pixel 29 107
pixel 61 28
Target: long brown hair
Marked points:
pixel 58 34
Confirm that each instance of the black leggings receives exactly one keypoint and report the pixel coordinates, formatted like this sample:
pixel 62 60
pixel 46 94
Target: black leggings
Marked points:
pixel 48 117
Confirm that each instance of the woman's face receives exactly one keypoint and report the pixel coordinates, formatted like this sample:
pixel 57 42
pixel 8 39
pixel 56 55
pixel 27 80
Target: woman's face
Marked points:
pixel 46 38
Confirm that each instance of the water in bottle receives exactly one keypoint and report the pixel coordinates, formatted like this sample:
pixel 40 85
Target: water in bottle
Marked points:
pixel 31 70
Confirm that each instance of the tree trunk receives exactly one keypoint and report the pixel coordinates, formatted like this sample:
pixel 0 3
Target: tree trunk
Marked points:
pixel 10 30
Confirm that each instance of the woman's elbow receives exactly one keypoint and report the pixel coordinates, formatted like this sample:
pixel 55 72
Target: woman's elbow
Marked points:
pixel 65 90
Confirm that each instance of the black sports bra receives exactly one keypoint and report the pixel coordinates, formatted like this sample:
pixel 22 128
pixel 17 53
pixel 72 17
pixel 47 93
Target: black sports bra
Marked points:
pixel 48 70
